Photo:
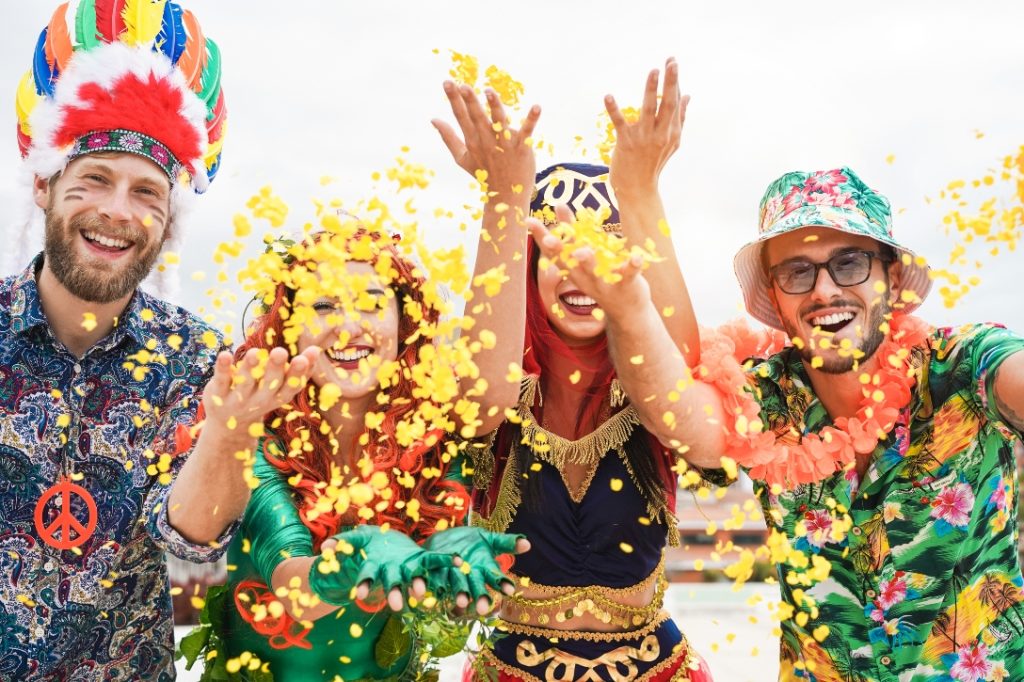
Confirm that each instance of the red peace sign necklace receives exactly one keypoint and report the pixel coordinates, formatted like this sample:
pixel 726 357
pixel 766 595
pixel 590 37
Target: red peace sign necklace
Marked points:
pixel 65 531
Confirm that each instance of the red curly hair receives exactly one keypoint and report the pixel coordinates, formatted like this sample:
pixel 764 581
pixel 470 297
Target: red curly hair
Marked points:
pixel 439 499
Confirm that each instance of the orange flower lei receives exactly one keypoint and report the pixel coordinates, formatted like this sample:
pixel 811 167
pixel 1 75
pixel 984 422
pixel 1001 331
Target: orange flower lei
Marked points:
pixel 817 455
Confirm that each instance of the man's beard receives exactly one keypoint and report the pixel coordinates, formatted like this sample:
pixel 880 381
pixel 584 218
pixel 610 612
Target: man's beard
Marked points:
pixel 92 280
pixel 872 339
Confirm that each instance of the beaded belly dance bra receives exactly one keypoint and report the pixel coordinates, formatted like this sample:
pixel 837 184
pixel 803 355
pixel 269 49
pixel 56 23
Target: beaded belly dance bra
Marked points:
pixel 594 552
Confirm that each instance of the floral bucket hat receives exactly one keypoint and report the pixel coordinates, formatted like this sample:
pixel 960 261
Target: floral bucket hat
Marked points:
pixel 835 199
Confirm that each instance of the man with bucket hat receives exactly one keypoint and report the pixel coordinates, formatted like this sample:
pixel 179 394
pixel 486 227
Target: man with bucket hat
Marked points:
pixel 121 120
pixel 881 448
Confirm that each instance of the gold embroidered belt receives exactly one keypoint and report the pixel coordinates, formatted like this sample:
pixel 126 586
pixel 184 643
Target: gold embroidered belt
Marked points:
pixel 535 654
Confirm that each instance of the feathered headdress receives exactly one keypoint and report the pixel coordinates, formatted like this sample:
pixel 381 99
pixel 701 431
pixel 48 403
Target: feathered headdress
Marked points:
pixel 132 76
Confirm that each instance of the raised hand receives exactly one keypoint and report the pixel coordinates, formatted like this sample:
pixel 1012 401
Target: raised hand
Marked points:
pixel 368 557
pixel 476 566
pixel 240 395
pixel 643 147
pixel 505 155
pixel 630 290
pixel 488 143
pixel 210 491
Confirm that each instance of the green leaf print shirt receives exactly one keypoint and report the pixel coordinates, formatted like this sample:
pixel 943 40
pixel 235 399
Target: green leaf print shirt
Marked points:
pixel 925 582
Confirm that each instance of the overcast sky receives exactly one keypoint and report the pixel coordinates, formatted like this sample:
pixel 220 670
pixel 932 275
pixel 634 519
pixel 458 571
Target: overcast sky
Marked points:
pixel 336 88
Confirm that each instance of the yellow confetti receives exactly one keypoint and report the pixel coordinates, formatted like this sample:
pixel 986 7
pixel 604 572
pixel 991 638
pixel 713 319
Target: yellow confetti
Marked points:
pixel 242 225
pixel 89 321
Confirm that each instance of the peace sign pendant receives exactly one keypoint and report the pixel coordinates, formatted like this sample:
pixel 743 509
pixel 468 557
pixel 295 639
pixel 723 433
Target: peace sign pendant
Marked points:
pixel 65 531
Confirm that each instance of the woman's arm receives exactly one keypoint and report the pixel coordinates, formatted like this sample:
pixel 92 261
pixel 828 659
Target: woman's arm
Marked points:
pixel 642 149
pixel 502 157
pixel 210 491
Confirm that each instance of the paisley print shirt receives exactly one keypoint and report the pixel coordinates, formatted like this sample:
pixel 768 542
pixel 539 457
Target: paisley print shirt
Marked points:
pixel 110 421
pixel 925 581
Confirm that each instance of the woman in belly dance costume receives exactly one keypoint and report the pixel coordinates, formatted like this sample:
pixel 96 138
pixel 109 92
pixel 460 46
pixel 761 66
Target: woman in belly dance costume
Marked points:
pixel 573 470
pixel 310 541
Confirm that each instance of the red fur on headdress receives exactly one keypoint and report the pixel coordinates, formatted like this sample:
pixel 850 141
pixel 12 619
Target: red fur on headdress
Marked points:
pixel 150 107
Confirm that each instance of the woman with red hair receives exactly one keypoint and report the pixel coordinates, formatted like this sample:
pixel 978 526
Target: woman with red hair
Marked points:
pixel 341 509
pixel 571 468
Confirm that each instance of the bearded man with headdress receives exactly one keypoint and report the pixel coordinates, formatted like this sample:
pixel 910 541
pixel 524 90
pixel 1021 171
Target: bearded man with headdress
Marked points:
pixel 121 123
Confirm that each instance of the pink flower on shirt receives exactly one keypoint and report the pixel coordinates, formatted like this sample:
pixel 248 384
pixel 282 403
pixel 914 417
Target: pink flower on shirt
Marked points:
pixel 819 527
pixel 891 592
pixel 953 505
pixel 972 664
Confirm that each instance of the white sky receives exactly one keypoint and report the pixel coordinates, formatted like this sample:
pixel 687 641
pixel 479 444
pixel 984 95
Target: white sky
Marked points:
pixel 336 88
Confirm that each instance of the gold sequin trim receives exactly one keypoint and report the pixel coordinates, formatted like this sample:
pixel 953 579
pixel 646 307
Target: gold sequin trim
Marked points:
pixel 604 603
pixel 586 635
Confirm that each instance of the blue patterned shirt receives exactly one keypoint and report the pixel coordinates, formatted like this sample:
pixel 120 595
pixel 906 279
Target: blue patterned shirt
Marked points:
pixel 101 610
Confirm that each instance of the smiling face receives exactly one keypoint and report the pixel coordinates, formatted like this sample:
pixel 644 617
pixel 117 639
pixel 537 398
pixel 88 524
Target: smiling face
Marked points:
pixel 107 218
pixel 369 339
pixel 849 316
pixel 576 325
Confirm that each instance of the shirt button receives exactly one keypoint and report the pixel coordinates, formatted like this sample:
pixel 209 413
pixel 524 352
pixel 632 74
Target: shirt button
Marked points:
pixel 871 594
pixel 885 660
pixel 78 368
pixel 40 632
pixel 48 566
pixel 856 530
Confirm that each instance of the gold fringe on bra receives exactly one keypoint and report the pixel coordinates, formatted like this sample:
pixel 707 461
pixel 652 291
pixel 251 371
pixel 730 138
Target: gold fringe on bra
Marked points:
pixel 557 451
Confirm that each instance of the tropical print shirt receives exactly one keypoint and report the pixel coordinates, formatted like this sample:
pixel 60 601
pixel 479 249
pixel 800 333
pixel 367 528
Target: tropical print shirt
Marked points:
pixel 110 420
pixel 925 581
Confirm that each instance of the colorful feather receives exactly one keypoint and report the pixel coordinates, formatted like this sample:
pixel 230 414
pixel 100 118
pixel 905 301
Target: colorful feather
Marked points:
pixel 85 25
pixel 216 118
pixel 193 60
pixel 24 141
pixel 41 71
pixel 212 156
pixel 171 39
pixel 109 19
pixel 25 101
pixel 211 169
pixel 58 40
pixel 211 77
pixel 142 20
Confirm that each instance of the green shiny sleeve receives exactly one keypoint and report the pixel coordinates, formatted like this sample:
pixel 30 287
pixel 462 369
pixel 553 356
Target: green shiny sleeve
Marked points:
pixel 271 523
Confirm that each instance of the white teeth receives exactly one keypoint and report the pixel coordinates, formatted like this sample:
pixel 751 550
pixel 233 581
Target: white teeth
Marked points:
pixel 349 354
pixel 581 301
pixel 834 318
pixel 107 241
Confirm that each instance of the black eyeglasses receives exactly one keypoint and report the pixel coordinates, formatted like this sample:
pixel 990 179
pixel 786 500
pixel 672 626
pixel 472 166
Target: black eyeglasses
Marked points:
pixel 847 269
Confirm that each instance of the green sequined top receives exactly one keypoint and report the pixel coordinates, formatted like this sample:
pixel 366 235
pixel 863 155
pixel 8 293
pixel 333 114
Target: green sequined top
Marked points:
pixel 273 530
